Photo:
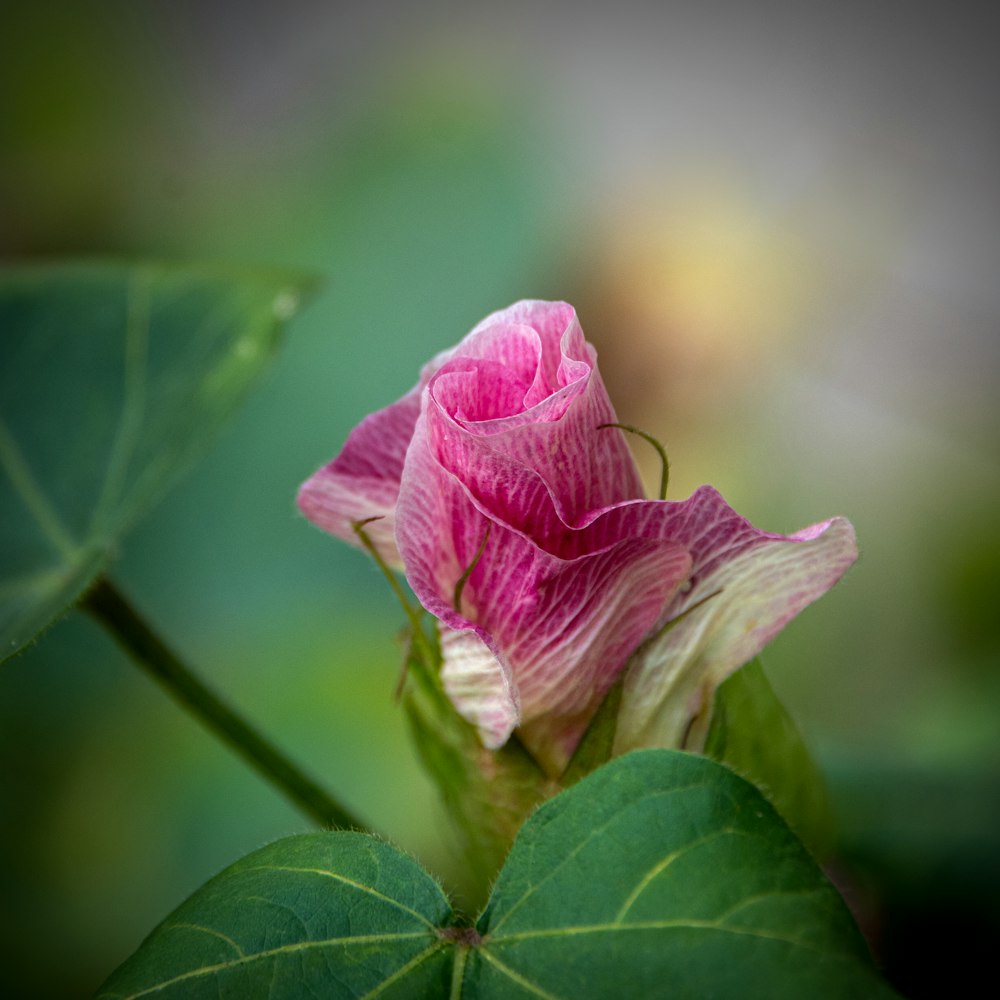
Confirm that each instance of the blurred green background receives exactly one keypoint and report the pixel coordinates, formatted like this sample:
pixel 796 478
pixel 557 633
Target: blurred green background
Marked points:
pixel 778 223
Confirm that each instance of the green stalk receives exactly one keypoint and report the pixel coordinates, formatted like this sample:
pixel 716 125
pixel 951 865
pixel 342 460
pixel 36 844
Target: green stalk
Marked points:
pixel 108 606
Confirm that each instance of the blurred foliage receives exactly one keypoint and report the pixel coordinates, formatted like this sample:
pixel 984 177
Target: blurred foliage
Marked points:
pixel 117 379
pixel 752 733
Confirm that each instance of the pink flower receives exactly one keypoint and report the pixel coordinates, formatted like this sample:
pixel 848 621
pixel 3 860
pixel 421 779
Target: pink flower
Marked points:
pixel 497 460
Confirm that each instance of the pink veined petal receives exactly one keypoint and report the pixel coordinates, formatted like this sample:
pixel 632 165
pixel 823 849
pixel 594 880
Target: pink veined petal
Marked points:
pixel 549 321
pixel 554 447
pixel 591 614
pixel 479 685
pixel 514 348
pixel 760 581
pixel 480 390
pixel 544 478
pixel 563 627
pixel 542 342
pixel 526 336
pixel 363 480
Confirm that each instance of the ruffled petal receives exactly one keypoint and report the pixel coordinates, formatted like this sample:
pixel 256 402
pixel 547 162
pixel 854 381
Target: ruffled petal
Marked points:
pixel 510 457
pixel 564 628
pixel 548 364
pixel 589 616
pixel 751 584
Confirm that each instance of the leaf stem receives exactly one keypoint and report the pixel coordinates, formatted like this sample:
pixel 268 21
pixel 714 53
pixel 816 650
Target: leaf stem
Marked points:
pixel 108 606
pixel 458 971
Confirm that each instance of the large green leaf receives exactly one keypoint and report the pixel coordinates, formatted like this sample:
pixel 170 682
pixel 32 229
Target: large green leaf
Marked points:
pixel 318 915
pixel 662 874
pixel 114 379
pixel 753 733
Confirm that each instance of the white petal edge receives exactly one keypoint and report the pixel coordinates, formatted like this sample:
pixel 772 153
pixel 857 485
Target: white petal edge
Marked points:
pixel 479 685
pixel 669 686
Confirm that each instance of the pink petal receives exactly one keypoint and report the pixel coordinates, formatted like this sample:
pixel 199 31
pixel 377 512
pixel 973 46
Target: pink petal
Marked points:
pixel 363 480
pixel 547 322
pixel 551 443
pixel 562 628
pixel 760 582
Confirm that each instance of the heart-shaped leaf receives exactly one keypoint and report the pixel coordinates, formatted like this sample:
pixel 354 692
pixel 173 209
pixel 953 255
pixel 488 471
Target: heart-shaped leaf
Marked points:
pixel 318 915
pixel 114 379
pixel 662 874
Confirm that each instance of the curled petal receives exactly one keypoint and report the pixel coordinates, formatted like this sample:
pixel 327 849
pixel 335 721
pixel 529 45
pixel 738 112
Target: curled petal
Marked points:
pixel 747 584
pixel 489 423
pixel 538 362
pixel 479 685
pixel 521 525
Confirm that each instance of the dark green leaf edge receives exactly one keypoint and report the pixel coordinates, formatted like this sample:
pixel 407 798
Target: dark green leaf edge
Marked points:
pixel 272 898
pixel 59 587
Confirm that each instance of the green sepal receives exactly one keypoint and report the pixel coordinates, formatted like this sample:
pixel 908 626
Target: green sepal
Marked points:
pixel 752 732
pixel 597 744
pixel 487 793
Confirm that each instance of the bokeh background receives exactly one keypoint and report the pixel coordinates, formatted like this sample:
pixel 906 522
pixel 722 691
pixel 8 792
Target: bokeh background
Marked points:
pixel 779 224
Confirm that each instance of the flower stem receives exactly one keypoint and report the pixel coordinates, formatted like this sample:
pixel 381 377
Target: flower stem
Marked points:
pixel 108 606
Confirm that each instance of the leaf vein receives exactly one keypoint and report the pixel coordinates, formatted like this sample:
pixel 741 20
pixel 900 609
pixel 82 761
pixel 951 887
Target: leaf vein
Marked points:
pixel 405 970
pixel 285 949
pixel 208 930
pixel 763 896
pixel 591 835
pixel 662 866
pixel 652 925
pixel 360 886
pixel 19 472
pixel 521 981
pixel 136 349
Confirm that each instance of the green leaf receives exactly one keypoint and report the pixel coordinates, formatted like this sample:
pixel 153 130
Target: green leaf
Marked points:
pixel 753 733
pixel 114 379
pixel 663 874
pixel 317 915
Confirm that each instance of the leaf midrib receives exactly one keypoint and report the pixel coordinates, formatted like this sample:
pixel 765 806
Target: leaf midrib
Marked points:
pixel 352 883
pixel 643 925
pixel 138 296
